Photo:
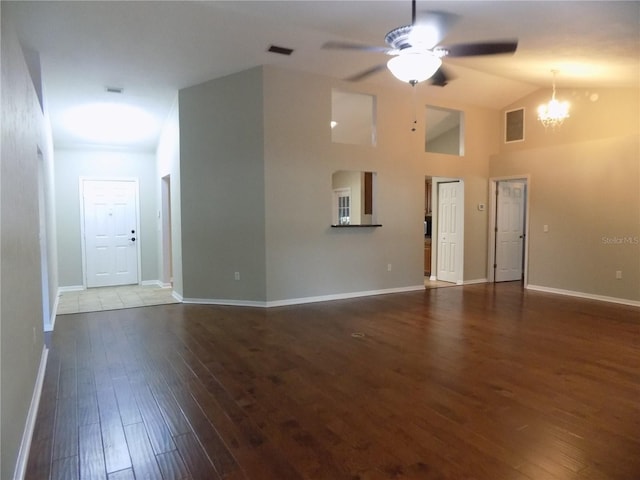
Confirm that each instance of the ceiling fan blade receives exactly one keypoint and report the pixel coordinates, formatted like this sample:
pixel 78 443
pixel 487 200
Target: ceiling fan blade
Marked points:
pixel 362 75
pixel 353 46
pixel 440 78
pixel 431 28
pixel 482 48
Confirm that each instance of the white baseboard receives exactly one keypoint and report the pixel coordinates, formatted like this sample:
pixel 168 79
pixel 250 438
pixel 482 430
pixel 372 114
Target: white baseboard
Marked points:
pixel 177 296
pixel 475 281
pixel 589 296
pixel 222 301
pixel 301 300
pixel 151 283
pixel 27 435
pixel 71 288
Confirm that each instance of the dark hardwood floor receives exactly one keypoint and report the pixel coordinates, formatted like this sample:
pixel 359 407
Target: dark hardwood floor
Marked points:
pixel 480 382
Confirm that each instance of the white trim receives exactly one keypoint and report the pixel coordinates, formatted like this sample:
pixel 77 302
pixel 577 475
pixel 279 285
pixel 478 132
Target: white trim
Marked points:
pixel 343 296
pixel 589 296
pixel 71 288
pixel 222 301
pixel 177 296
pixel 475 281
pixel 300 300
pixel 152 283
pixel 54 311
pixel 27 435
pixel 491 259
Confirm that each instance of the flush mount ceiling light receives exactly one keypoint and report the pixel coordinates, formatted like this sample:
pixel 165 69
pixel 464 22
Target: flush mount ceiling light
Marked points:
pixel 109 123
pixel 553 113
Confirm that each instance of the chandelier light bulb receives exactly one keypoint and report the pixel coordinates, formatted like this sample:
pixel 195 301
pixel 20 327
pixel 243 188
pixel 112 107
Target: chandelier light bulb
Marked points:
pixel 553 113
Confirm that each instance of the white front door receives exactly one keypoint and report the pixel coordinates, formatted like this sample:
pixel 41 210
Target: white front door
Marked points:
pixel 449 231
pixel 110 232
pixel 509 231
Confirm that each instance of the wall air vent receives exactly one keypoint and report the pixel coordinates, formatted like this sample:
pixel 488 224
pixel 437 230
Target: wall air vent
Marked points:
pixel 280 50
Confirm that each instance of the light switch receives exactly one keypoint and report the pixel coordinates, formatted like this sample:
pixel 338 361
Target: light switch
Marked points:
pixel 545 228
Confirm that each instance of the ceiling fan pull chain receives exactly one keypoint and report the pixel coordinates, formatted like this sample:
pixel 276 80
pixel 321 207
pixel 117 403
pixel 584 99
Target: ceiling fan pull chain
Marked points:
pixel 415 117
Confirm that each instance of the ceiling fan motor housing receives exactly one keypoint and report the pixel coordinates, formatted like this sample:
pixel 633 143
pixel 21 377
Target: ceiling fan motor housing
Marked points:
pixel 398 38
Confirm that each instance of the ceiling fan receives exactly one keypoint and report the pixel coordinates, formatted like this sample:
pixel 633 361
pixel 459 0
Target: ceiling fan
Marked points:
pixel 416 50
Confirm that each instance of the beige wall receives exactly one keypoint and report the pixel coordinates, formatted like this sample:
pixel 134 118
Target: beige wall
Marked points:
pixel 305 257
pixel 21 313
pixel 585 185
pixel 481 140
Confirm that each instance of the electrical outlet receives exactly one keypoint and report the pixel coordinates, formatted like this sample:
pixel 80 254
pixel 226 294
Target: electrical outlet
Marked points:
pixel 237 276
pixel 618 274
pixel 388 267
pixel 545 228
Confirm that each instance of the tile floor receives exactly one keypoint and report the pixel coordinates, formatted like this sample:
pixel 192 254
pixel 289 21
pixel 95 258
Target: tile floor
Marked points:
pixel 113 298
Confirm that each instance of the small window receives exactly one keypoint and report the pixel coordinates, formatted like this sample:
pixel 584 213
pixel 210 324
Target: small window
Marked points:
pixel 444 131
pixel 342 205
pixel 353 118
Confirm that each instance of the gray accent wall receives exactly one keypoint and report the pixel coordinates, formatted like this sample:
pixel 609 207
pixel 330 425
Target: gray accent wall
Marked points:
pixel 70 166
pixel 222 188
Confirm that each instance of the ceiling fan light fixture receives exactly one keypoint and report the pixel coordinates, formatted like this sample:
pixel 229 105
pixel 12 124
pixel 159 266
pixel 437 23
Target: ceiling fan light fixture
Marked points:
pixel 414 67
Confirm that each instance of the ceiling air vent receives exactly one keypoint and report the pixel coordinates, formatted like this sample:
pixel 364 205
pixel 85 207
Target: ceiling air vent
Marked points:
pixel 114 89
pixel 280 50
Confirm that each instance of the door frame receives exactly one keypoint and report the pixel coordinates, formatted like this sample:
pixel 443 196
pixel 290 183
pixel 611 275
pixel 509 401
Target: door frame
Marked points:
pixel 493 215
pixel 435 181
pixel 81 181
pixel 167 241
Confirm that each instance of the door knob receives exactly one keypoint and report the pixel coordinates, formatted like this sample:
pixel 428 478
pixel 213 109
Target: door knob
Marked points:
pixel 133 239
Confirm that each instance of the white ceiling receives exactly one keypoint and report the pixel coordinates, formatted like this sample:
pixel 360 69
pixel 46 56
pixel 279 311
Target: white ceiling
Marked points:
pixel 152 49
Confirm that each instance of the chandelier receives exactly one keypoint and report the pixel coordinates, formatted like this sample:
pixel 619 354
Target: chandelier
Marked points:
pixel 552 114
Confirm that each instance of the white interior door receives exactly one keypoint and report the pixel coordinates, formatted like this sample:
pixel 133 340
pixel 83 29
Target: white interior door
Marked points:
pixel 449 235
pixel 510 231
pixel 110 232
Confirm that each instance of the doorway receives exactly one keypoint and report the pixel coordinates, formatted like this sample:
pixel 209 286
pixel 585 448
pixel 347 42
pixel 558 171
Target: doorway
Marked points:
pixel 508 230
pixel 447 225
pixel 110 232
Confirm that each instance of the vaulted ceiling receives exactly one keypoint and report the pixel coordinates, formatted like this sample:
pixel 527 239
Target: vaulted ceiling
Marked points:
pixel 152 49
